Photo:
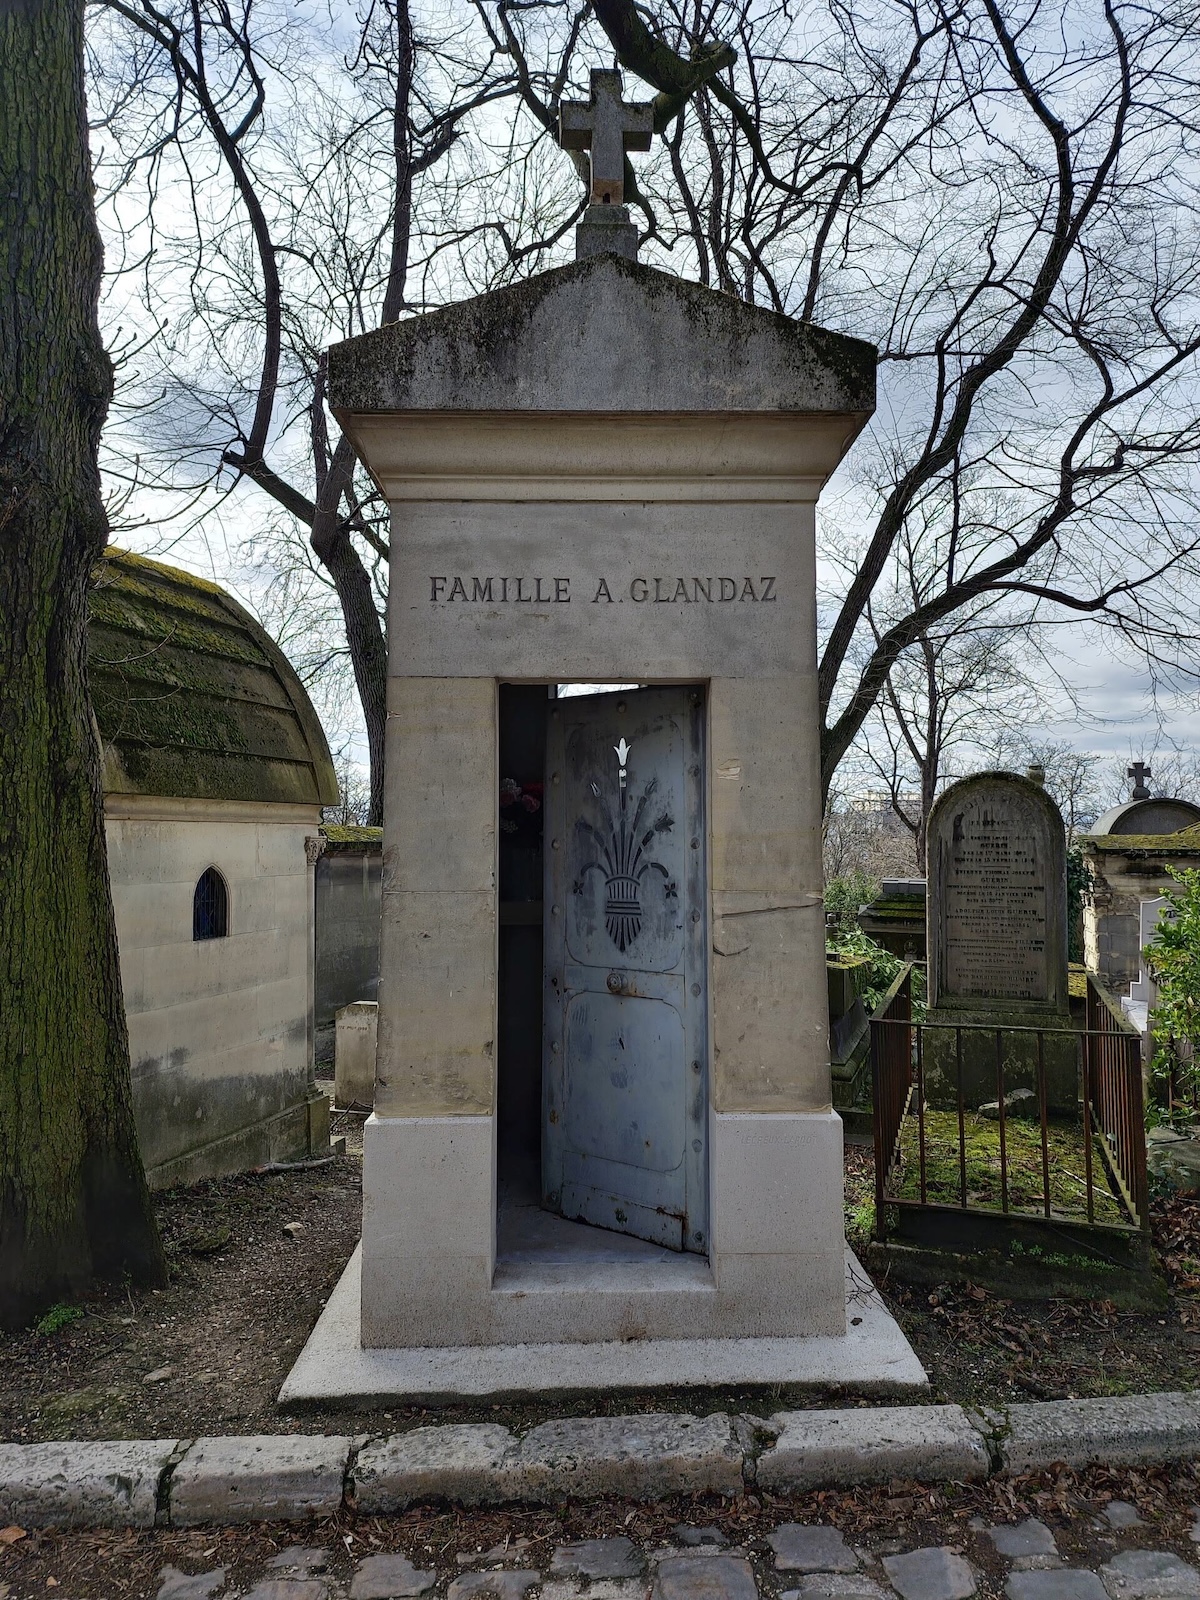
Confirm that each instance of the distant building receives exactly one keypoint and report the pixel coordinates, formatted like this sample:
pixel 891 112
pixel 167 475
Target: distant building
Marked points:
pixel 1129 857
pixel 215 773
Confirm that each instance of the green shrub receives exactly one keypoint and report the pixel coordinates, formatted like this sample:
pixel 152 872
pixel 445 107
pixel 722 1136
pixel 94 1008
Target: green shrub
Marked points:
pixel 882 967
pixel 1174 959
pixel 844 895
pixel 57 1317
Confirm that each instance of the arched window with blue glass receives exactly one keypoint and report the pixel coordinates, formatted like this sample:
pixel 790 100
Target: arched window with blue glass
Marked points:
pixel 210 906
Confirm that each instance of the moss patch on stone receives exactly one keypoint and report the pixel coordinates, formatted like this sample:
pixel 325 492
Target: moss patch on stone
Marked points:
pixel 1023 1150
pixel 192 698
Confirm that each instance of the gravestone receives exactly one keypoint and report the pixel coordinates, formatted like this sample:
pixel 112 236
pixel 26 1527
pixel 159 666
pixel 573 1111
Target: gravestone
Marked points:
pixel 602 1100
pixel 997 941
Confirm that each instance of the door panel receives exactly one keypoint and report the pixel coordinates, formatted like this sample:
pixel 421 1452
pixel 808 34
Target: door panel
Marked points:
pixel 624 1133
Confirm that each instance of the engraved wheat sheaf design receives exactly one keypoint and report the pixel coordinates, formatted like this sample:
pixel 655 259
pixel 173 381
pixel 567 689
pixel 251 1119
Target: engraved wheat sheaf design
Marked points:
pixel 623 844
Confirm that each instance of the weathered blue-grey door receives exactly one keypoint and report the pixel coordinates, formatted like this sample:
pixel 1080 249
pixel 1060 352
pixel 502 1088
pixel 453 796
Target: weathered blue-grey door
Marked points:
pixel 624 1138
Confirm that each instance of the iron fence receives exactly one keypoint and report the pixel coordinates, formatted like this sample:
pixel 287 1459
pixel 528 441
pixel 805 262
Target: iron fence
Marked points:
pixel 924 1155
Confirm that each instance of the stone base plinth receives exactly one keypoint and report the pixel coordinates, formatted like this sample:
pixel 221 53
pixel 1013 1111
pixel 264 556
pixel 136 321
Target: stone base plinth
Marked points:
pixel 872 1357
pixel 433 1275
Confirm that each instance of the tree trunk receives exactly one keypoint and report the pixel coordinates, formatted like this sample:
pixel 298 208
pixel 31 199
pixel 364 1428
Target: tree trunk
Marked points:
pixel 74 1205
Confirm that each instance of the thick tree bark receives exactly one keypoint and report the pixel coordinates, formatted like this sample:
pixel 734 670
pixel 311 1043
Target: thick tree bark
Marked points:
pixel 74 1205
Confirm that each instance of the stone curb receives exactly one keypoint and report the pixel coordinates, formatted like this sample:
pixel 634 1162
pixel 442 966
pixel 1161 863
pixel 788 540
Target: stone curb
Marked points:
pixel 148 1483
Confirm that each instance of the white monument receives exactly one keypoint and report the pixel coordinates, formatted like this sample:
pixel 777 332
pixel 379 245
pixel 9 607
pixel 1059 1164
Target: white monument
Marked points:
pixel 602 1123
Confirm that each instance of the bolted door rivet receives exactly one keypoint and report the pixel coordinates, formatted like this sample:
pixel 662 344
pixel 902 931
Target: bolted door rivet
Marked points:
pixel 556 777
pixel 695 844
pixel 554 844
pixel 695 916
pixel 695 988
pixel 695 1066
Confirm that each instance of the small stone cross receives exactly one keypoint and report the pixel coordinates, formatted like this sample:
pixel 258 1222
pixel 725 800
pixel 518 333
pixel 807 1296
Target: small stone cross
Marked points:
pixel 607 126
pixel 1139 772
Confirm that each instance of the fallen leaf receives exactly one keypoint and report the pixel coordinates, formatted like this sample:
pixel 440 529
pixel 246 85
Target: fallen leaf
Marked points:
pixel 11 1534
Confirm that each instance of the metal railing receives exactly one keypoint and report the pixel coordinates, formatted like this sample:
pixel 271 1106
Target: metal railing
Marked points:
pixel 1104 1123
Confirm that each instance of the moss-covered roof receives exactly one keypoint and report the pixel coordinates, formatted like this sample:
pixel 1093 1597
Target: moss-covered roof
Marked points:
pixel 1185 842
pixel 193 698
pixel 897 908
pixel 350 836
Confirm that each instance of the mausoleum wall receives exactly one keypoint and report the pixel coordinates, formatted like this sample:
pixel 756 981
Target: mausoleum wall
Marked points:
pixel 219 1028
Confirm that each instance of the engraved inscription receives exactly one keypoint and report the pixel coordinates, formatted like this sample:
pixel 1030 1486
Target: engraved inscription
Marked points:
pixel 995 906
pixel 477 589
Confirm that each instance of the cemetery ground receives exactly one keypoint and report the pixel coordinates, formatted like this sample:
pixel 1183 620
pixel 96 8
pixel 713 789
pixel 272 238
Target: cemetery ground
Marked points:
pixel 253 1259
pixel 1117 1523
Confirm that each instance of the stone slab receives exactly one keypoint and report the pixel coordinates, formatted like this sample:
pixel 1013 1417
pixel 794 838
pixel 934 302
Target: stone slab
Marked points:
pixel 1067 1584
pixel 503 1585
pixel 638 1458
pixel 177 1585
pixel 836 1586
pixel 816 1449
pixel 1028 1538
pixel 1123 1430
pixel 1150 1575
pixel 250 1478
pixel 704 1578
pixel 469 1463
pixel 82 1485
pixel 932 1574
pixel 801 1547
pixel 388 1576
pixel 872 1358
pixel 597 1558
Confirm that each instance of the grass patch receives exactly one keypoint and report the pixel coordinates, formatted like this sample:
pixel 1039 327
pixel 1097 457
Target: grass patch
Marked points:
pixel 1023 1147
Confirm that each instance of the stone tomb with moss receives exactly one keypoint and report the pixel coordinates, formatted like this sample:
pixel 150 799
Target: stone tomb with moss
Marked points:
pixel 603 1152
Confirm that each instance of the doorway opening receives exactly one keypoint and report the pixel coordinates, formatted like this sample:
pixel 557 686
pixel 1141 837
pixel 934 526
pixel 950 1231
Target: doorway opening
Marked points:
pixel 602 1098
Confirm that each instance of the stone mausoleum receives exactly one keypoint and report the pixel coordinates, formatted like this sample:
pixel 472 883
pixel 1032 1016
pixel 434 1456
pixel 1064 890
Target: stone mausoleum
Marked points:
pixel 215 773
pixel 603 1151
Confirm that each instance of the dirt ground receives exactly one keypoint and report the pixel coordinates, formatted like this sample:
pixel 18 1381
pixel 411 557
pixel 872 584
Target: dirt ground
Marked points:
pixel 208 1354
pixel 120 1566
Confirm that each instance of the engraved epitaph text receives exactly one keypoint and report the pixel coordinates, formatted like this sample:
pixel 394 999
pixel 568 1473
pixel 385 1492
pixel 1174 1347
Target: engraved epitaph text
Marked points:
pixel 996 891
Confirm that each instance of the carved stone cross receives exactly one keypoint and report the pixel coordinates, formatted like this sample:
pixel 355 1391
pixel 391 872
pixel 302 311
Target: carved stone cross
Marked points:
pixel 1139 772
pixel 607 126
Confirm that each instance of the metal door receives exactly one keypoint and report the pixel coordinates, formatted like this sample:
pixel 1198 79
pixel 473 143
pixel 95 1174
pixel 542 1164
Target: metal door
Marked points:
pixel 624 1133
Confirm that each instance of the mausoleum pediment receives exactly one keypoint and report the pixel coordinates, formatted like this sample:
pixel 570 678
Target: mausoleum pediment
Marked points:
pixel 603 335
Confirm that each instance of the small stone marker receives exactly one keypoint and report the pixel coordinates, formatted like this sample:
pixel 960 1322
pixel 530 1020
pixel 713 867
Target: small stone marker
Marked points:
pixel 1150 1575
pixel 803 1548
pixel 502 1585
pixel 1067 1584
pixel 836 1586
pixel 1028 1538
pixel 1120 1514
pixel 704 1578
pixel 597 1558
pixel 178 1585
pixel 290 1589
pixel 933 1574
pixel 389 1577
pixel 300 1558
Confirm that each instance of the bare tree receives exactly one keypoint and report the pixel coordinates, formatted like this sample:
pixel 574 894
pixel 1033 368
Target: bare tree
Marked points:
pixel 1001 196
pixel 940 700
